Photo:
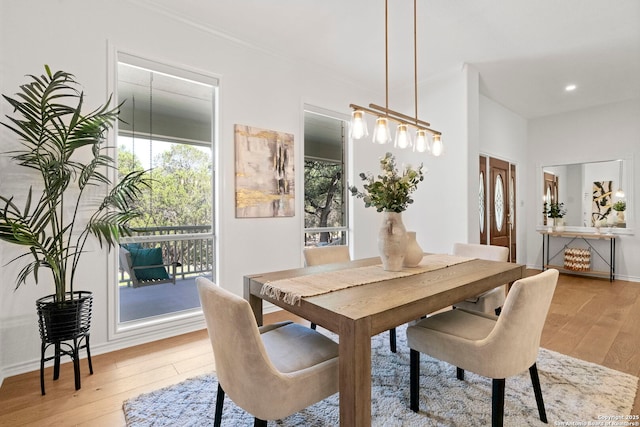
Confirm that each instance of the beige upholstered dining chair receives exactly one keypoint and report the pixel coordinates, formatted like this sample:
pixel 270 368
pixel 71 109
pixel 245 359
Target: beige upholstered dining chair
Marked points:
pixel 491 301
pixel 495 347
pixel 319 255
pixel 272 371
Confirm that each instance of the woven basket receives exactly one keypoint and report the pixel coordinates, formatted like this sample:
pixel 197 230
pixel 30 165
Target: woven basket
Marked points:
pixel 577 259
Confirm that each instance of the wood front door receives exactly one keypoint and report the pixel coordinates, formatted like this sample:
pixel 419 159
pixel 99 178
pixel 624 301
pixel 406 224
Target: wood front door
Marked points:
pixel 511 217
pixel 501 205
pixel 550 192
pixel 482 200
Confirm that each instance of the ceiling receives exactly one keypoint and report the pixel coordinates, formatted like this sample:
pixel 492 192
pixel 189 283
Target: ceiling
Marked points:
pixel 526 51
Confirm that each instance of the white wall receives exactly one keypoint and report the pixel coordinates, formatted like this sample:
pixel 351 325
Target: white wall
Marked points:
pixel 503 134
pixel 603 133
pixel 440 211
pixel 256 88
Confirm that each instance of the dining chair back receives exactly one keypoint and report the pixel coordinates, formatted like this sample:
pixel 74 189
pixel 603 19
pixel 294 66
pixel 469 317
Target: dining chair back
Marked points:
pixel 272 371
pixel 491 301
pixel 320 255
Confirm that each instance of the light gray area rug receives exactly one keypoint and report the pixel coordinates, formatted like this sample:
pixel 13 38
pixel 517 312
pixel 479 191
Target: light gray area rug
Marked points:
pixel 574 391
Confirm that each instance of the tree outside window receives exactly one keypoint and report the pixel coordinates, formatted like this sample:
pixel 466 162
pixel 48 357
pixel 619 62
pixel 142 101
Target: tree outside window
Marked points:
pixel 325 212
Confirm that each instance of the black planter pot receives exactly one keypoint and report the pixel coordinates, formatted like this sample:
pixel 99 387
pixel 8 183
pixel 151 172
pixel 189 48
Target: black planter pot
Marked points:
pixel 65 325
pixel 64 320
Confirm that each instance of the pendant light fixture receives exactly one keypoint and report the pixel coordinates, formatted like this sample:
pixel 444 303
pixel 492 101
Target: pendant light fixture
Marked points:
pixel 384 115
pixel 620 193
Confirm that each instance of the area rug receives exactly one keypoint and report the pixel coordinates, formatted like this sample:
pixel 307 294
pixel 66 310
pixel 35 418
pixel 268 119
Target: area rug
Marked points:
pixel 575 393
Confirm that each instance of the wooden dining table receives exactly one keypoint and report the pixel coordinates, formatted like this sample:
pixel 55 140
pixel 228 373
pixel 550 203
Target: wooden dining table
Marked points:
pixel 357 313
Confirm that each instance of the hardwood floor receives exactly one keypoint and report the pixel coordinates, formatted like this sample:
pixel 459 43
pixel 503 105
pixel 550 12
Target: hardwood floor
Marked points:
pixel 590 319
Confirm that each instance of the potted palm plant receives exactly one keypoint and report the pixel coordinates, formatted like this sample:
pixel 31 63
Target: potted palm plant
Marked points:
pixel 66 149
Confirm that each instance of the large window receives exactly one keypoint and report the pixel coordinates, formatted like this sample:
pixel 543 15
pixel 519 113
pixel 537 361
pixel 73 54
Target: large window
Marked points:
pixel 167 119
pixel 325 207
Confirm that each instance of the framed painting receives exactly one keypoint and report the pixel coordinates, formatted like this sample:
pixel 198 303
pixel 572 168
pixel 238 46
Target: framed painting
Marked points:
pixel 601 202
pixel 265 179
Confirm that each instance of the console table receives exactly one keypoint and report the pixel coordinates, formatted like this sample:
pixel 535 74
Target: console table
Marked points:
pixel 586 237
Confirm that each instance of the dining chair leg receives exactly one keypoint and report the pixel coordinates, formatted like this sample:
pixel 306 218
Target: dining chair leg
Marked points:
pixel 217 420
pixel 535 380
pixel 460 373
pixel 392 340
pixel 259 423
pixel 497 402
pixel 414 380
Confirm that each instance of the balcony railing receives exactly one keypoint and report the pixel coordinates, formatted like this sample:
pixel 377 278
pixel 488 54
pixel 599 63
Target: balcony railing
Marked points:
pixel 190 247
pixel 321 236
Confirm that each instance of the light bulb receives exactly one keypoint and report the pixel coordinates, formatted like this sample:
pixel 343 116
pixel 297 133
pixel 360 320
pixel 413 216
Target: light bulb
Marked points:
pixel 403 137
pixel 358 125
pixel 381 133
pixel 422 141
pixel 436 147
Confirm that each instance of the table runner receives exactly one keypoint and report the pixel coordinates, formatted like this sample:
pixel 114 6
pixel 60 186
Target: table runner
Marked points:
pixel 293 289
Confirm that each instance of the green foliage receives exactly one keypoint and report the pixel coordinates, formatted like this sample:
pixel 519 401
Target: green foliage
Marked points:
pixel 556 210
pixel 389 191
pixel 323 195
pixel 66 148
pixel 620 206
pixel 180 192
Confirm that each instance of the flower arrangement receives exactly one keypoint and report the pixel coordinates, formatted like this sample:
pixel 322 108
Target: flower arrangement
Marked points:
pixel 389 191
pixel 620 206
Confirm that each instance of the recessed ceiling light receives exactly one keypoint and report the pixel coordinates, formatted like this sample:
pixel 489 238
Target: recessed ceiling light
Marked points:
pixel 570 88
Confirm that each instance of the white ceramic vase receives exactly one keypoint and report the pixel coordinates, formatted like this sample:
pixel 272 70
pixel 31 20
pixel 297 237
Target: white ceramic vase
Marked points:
pixel 414 253
pixel 392 241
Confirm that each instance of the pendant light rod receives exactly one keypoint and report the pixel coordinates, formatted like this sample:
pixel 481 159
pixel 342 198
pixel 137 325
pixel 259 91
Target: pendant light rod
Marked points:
pixel 386 54
pixel 415 57
pixel 620 192
pixel 383 114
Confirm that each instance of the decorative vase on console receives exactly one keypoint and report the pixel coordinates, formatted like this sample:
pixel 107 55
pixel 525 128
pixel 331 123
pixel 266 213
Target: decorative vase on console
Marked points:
pixel 392 241
pixel 390 193
pixel 414 253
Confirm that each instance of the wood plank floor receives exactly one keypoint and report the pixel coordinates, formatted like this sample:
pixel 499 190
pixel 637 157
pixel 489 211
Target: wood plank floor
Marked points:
pixel 590 319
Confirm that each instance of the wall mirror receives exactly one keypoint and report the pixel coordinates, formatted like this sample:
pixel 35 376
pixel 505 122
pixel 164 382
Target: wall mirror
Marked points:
pixel 589 192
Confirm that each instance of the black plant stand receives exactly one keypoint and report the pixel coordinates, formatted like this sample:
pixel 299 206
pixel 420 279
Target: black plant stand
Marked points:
pixel 65 326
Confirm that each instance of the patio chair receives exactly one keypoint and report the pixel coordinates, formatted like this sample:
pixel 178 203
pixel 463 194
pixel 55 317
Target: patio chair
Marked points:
pixel 146 266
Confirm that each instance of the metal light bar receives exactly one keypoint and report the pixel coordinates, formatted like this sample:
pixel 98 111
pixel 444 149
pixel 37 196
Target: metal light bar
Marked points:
pixel 378 111
pixel 399 115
